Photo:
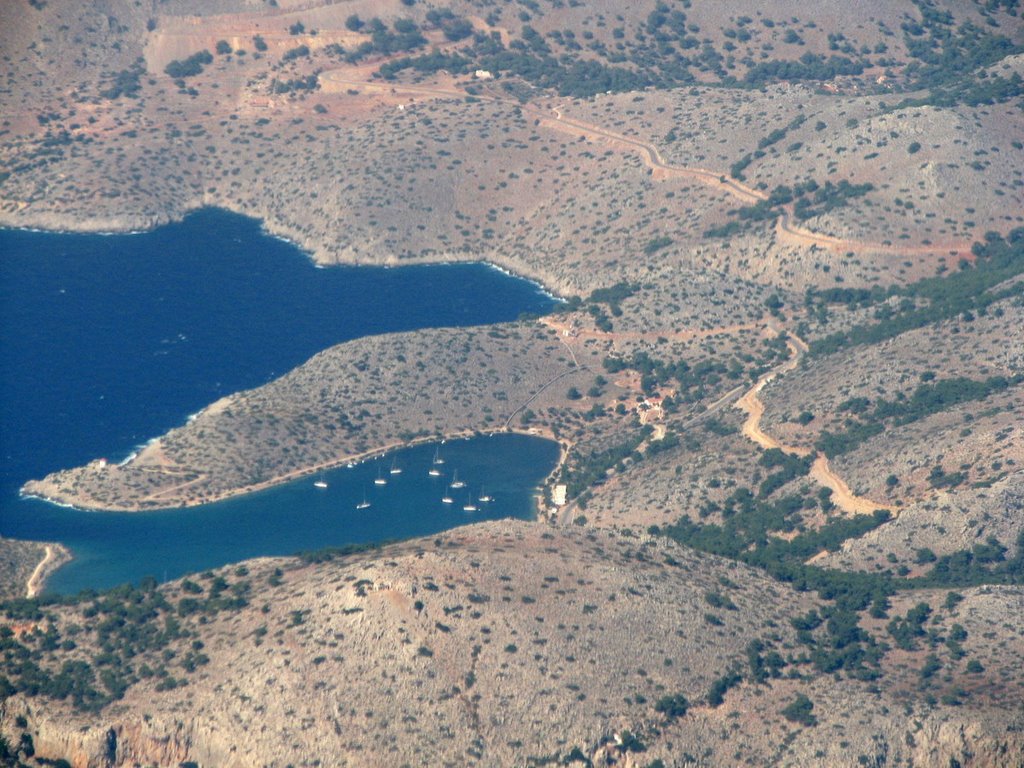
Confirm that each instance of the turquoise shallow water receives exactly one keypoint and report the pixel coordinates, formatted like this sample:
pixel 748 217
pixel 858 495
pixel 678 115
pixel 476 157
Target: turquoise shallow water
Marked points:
pixel 107 341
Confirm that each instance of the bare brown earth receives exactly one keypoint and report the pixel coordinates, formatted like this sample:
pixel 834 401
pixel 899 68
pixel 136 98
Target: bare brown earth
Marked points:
pixel 821 470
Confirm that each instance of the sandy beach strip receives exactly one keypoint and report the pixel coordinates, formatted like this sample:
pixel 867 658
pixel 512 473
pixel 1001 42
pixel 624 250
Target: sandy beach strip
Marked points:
pixel 56 555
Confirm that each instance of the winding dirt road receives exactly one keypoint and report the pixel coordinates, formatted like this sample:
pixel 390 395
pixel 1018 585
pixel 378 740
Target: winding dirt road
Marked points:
pixel 842 496
pixel 652 157
pixel 785 228
pixel 750 403
pixel 821 471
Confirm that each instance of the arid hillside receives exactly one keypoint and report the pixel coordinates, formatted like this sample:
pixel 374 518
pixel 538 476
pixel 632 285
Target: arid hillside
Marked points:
pixel 536 169
pixel 787 376
pixel 501 644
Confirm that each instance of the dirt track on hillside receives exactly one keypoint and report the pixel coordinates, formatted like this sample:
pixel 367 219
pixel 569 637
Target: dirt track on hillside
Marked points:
pixel 786 230
pixel 821 471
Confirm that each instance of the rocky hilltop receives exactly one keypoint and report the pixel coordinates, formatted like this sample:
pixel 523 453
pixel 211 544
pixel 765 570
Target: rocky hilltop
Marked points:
pixel 498 644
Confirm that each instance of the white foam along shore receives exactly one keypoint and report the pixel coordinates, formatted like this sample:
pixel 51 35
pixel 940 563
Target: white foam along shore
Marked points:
pixel 541 288
pixel 101 233
pixel 134 454
pixel 267 229
pixel 62 504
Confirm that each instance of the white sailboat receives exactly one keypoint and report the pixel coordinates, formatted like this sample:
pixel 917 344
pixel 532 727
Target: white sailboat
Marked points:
pixel 381 480
pixel 484 497
pixel 437 457
pixel 364 504
pixel 447 498
pixel 456 483
pixel 395 469
pixel 320 484
pixel 469 506
pixel 434 472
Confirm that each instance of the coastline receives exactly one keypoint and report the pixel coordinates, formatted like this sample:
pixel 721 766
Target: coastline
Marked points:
pixel 317 254
pixel 55 556
pixel 320 258
pixel 128 225
pixel 553 513
pixel 36 492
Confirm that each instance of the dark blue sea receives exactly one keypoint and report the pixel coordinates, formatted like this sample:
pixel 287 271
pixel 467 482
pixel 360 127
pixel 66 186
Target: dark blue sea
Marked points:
pixel 108 341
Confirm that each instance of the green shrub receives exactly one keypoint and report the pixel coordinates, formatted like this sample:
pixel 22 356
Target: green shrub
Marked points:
pixel 672 706
pixel 189 67
pixel 800 711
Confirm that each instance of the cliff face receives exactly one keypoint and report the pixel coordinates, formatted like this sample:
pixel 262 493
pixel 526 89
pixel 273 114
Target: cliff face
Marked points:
pixel 940 744
pixel 114 740
pixel 156 742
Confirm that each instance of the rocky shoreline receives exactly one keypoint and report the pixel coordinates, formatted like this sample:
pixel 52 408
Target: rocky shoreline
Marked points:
pixel 392 377
pixel 315 248
pixel 51 489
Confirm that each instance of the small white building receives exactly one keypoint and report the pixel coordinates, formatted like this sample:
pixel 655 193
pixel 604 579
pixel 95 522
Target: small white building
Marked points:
pixel 483 74
pixel 558 495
